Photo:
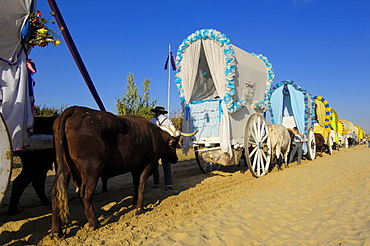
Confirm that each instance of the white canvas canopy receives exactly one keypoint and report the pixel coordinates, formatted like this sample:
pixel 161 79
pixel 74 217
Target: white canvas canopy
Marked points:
pixel 227 81
pixel 15 101
pixel 13 16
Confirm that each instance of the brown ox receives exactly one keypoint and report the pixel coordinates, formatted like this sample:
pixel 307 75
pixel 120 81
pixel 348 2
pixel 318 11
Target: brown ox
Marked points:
pixel 280 143
pixel 320 141
pixel 91 144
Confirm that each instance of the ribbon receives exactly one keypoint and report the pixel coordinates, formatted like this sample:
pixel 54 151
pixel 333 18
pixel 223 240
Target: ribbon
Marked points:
pixel 220 111
pixel 187 112
pixel 7 61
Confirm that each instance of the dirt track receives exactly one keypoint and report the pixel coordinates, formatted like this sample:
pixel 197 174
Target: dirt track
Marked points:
pixel 321 202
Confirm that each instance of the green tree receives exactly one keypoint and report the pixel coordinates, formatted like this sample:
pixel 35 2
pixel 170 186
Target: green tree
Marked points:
pixel 48 111
pixel 133 103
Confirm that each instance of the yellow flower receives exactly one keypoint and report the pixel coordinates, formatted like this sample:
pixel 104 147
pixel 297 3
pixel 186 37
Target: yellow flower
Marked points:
pixel 42 31
pixel 41 35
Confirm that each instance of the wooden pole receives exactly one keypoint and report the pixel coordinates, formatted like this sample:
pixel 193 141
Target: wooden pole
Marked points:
pixel 169 66
pixel 76 55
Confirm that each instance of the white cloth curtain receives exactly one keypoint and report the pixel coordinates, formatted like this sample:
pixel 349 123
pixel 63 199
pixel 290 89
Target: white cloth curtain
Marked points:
pixel 216 62
pixel 277 105
pixel 189 69
pixel 15 102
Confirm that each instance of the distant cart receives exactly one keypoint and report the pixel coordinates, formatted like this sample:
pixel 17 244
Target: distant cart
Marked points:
pixel 293 106
pixel 324 124
pixel 347 129
pixel 360 133
pixel 336 127
pixel 223 90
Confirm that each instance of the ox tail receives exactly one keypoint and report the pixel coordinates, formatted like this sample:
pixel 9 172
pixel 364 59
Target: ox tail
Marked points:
pixel 60 180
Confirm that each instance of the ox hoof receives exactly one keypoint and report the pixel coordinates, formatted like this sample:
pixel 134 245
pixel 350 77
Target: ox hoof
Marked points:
pixel 56 235
pixel 139 211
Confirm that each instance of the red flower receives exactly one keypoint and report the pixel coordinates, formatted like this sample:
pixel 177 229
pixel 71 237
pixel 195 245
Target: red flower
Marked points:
pixel 39 13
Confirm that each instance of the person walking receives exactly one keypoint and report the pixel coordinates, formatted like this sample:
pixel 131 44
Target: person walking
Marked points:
pixel 297 142
pixel 161 120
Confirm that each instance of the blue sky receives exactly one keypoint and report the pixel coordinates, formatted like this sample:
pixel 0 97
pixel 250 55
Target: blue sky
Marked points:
pixel 323 45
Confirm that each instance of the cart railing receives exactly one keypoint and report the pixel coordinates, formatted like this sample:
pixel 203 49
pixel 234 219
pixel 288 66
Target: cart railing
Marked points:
pixel 206 118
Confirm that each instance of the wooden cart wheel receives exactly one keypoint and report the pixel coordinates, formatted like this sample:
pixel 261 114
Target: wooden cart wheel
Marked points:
pixel 257 145
pixel 311 145
pixel 330 147
pixel 346 144
pixel 205 166
pixel 331 140
pixel 6 158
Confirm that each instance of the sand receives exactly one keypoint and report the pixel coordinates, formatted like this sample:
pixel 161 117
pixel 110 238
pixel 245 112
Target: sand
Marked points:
pixel 321 202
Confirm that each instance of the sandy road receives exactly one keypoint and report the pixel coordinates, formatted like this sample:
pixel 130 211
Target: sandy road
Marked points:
pixel 321 202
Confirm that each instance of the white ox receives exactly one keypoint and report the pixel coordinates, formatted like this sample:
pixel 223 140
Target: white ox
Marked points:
pixel 280 143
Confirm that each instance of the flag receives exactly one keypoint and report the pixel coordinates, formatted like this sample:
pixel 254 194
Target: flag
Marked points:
pixel 173 63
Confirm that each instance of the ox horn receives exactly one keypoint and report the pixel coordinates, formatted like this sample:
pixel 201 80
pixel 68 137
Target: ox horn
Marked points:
pixel 170 129
pixel 189 134
pixel 175 133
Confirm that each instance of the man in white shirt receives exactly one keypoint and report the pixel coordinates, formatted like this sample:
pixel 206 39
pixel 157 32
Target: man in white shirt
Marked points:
pixel 161 120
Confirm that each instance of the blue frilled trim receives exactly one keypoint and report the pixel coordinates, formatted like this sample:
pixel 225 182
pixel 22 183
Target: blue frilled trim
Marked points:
pixel 264 105
pixel 231 104
pixel 308 114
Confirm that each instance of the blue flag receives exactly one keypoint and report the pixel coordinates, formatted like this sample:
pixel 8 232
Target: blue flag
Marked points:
pixel 173 63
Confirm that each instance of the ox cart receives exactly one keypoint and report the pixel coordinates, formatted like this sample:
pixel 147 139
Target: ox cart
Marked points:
pixel 16 95
pixel 223 91
pixel 347 128
pixel 293 106
pixel 341 130
pixel 335 125
pixel 324 123
pixel 360 133
pixel 6 157
pixel 15 109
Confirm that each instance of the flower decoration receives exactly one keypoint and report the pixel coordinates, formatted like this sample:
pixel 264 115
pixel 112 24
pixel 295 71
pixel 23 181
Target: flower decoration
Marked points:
pixel 328 111
pixel 264 105
pixel 231 104
pixel 41 35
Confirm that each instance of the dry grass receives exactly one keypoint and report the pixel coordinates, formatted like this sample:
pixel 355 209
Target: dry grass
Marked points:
pixel 183 157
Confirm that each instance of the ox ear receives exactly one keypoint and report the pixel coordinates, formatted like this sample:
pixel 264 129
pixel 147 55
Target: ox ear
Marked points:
pixel 172 142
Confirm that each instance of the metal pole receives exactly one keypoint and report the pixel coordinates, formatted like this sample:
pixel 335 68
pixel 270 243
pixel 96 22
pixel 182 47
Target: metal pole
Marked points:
pixel 76 55
pixel 169 79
